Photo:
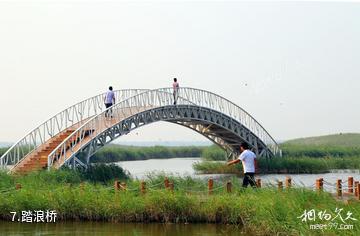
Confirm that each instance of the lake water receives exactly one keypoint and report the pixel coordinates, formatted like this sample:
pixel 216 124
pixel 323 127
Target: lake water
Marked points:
pixel 101 228
pixel 183 167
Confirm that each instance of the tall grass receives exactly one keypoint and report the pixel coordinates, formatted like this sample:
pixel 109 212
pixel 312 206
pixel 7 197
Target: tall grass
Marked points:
pixel 299 165
pixel 293 150
pixel 254 211
pixel 213 153
pixel 114 153
pixel 96 173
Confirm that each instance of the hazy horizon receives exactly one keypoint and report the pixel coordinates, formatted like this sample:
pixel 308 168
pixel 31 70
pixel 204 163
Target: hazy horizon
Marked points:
pixel 294 66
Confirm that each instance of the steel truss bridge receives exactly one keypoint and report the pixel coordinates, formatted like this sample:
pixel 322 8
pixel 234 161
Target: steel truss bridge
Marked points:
pixel 72 136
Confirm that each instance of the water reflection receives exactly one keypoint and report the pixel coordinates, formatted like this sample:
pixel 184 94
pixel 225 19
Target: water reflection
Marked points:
pixel 100 228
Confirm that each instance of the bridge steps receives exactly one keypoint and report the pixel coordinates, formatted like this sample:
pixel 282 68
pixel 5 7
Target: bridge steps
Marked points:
pixel 37 160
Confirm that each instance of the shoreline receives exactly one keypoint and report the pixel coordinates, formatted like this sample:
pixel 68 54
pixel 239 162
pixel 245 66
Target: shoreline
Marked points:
pixel 190 201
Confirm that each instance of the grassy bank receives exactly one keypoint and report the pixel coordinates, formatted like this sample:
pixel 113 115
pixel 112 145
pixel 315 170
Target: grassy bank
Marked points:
pixel 306 155
pixel 286 165
pixel 293 151
pixel 254 211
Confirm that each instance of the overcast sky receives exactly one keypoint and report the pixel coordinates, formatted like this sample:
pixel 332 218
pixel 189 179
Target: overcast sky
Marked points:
pixel 300 60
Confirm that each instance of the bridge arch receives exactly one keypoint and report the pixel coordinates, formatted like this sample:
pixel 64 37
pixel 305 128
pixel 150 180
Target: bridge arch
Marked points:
pixel 211 115
pixel 216 118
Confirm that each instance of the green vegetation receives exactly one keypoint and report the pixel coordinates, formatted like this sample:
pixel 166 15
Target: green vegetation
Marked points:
pixel 2 151
pixel 337 140
pixel 254 211
pixel 292 150
pixel 96 173
pixel 307 155
pixel 213 153
pixel 337 145
pixel 114 153
pixel 286 165
pixel 102 173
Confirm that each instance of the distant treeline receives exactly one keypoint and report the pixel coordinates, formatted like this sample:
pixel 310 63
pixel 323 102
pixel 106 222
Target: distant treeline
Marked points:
pixel 3 150
pixel 297 158
pixel 293 150
pixel 114 153
pixel 285 165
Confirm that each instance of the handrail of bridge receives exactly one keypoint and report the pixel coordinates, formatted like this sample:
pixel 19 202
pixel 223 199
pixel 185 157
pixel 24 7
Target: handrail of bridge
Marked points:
pixel 135 104
pixel 158 98
pixel 67 118
pixel 216 102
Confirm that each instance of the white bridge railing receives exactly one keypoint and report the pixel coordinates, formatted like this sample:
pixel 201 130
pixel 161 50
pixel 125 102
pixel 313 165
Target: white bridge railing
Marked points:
pixel 74 115
pixel 152 99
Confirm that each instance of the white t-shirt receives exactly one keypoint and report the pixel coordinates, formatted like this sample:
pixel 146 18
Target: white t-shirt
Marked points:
pixel 109 97
pixel 247 158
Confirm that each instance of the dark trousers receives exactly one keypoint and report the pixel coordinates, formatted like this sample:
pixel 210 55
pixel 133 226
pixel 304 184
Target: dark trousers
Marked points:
pixel 249 179
pixel 175 94
pixel 109 112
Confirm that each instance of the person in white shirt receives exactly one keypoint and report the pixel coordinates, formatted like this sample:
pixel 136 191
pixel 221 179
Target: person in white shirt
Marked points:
pixel 175 90
pixel 248 159
pixel 109 100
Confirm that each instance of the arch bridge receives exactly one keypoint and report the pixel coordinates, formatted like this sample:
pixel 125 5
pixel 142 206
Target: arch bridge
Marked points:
pixel 72 136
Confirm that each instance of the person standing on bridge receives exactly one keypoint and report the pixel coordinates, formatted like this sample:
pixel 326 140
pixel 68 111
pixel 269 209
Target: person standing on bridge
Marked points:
pixel 175 90
pixel 109 100
pixel 248 159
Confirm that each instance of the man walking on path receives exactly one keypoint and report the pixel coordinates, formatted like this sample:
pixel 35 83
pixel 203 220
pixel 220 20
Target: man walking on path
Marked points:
pixel 109 100
pixel 248 159
pixel 175 90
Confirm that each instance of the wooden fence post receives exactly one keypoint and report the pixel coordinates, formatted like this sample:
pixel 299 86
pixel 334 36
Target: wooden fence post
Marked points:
pixel 116 185
pixel 143 187
pixel 17 186
pixel 288 182
pixel 280 185
pixel 338 188
pixel 210 185
pixel 228 186
pixel 350 184
pixel 319 184
pixel 258 183
pixel 356 189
